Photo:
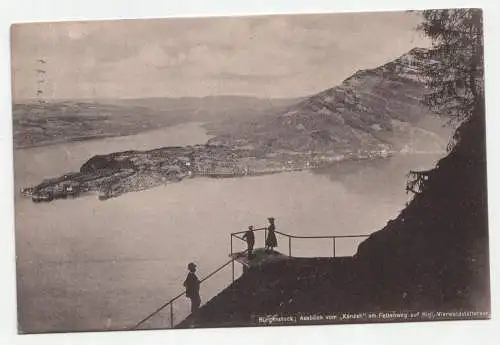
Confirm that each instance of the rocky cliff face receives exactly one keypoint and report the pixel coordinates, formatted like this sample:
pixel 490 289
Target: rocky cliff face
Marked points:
pixel 375 109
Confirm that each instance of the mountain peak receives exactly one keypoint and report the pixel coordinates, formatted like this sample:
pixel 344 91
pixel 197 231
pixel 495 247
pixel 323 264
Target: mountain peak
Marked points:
pixel 369 108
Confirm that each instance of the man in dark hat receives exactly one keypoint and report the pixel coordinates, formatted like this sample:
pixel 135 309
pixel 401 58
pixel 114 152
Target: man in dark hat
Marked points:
pixel 250 237
pixel 192 285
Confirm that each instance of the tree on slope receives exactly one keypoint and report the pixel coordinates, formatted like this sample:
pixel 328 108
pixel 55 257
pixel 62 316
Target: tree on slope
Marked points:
pixel 456 80
pixel 455 76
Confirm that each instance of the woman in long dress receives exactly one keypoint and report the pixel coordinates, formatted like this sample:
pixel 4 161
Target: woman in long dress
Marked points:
pixel 271 241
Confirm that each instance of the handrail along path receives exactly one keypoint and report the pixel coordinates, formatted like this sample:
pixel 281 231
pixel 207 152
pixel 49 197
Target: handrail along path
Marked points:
pixel 231 261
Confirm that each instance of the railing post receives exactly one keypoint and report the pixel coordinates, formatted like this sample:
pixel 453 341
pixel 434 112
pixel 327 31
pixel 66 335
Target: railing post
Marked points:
pixel 289 246
pixel 172 315
pixel 232 258
pixel 334 246
pixel 265 236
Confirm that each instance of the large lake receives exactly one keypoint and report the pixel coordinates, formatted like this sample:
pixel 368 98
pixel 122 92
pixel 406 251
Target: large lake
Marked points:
pixel 86 264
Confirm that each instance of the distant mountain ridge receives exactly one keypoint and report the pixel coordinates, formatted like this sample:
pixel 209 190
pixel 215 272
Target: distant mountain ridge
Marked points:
pixel 49 122
pixel 374 109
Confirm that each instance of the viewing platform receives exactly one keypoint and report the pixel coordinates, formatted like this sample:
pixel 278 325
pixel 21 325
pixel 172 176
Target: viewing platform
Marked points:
pixel 259 257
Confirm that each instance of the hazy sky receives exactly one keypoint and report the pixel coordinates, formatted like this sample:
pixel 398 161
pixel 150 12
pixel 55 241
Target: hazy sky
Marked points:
pixel 272 56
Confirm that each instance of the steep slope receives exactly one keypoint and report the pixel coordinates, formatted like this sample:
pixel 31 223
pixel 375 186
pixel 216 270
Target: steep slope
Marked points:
pixel 375 109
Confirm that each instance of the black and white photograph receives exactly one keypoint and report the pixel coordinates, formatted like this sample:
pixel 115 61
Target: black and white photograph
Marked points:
pixel 250 171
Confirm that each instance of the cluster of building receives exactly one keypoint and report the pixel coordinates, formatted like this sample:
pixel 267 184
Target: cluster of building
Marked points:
pixel 124 172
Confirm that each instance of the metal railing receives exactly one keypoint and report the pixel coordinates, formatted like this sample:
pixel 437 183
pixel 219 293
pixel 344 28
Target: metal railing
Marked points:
pixel 231 261
pixel 290 237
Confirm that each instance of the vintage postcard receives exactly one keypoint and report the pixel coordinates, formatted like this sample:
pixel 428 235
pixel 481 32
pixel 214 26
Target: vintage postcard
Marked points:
pixel 250 171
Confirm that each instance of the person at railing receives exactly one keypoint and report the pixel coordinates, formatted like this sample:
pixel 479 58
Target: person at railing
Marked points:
pixel 271 240
pixel 192 285
pixel 250 238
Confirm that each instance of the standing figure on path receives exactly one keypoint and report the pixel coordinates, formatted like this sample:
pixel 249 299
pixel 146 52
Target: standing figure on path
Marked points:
pixel 250 238
pixel 271 241
pixel 192 285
